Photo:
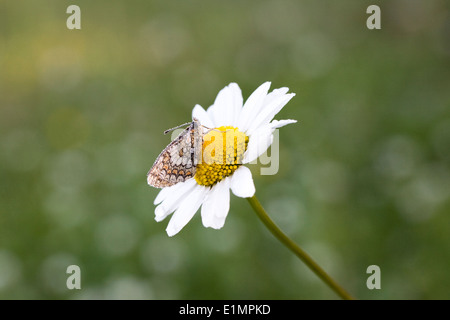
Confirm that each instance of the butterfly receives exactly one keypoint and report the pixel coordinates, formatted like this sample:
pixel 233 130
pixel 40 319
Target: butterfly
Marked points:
pixel 178 161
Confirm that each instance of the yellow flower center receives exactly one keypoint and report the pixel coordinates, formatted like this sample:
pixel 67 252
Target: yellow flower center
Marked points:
pixel 222 153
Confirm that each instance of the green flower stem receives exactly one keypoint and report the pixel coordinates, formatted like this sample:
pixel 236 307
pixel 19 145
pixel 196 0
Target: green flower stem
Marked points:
pixel 280 235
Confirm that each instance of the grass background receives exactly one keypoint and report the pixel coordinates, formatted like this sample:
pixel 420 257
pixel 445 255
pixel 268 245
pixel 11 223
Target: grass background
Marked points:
pixel 364 176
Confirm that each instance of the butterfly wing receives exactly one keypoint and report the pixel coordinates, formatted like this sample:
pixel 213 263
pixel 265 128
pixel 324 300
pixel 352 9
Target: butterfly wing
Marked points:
pixel 176 162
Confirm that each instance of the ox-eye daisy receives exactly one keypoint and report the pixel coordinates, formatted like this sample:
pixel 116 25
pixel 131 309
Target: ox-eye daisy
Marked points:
pixel 206 161
pixel 207 184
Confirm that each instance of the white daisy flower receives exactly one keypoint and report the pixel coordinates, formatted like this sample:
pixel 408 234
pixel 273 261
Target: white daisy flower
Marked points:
pixel 252 128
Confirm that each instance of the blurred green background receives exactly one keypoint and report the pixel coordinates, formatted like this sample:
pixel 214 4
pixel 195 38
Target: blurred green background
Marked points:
pixel 364 176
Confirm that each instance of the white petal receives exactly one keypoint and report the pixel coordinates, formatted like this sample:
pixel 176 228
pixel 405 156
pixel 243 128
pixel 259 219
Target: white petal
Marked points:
pixel 219 107
pixel 165 192
pixel 200 113
pixel 275 124
pixel 275 94
pixel 186 210
pixel 216 205
pixel 242 183
pixel 272 96
pixel 270 109
pixel 237 103
pixel 173 197
pixel 262 139
pixel 252 106
pixel 211 111
pixel 227 106
pixel 258 143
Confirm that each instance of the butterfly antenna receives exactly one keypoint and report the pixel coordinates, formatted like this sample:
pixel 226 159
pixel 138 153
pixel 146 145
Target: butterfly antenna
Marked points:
pixel 171 129
pixel 213 129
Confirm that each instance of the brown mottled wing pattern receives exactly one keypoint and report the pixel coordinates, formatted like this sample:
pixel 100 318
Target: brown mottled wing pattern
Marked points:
pixel 177 162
